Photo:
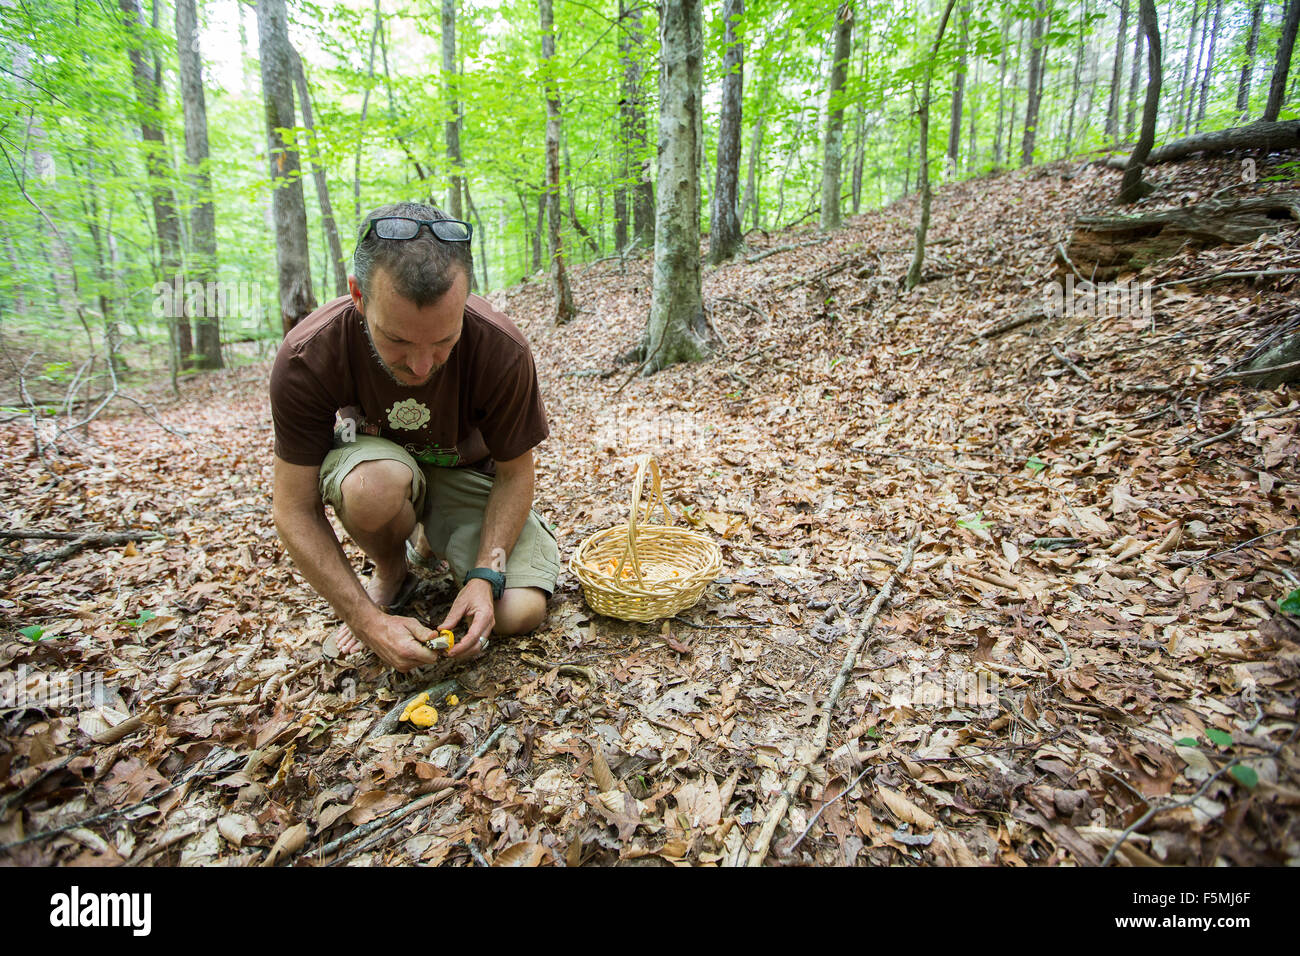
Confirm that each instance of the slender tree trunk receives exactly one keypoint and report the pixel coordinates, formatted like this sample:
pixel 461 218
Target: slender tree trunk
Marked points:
pixel 564 309
pixel 972 155
pixel 454 209
pixel 157 166
pixel 1252 43
pixel 482 237
pixel 643 195
pixel 1035 85
pixel 292 256
pixel 1190 106
pixel 203 224
pixel 1188 66
pixel 860 124
pixel 1002 84
pixel 958 91
pixel 751 206
pixel 1209 65
pixel 1074 84
pixel 338 264
pixel 1282 65
pixel 1015 90
pixel 1135 77
pixel 1131 189
pixel 724 219
pixel 923 167
pixel 365 107
pixel 834 144
pixel 676 324
pixel 1117 73
pixel 542 198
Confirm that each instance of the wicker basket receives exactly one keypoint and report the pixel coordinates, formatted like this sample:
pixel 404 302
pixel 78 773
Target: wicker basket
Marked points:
pixel 644 571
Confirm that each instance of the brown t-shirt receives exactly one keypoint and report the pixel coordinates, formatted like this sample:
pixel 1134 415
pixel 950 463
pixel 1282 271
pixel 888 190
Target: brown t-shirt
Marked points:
pixel 484 405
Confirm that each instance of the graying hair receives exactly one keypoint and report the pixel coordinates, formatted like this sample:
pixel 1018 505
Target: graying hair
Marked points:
pixel 421 269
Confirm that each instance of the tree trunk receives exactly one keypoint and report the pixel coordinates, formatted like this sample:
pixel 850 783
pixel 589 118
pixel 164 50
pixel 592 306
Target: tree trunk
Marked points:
pixel 860 126
pixel 482 237
pixel 1190 107
pixel 292 256
pixel 832 155
pixel 365 107
pixel 676 323
pixel 157 167
pixel 643 195
pixel 724 219
pixel 923 168
pixel 564 309
pixel 454 209
pixel 1282 65
pixel 1106 246
pixel 1117 74
pixel 1132 187
pixel 1209 65
pixel 1188 67
pixel 1252 44
pixel 1135 76
pixel 338 264
pixel 1035 85
pixel 203 222
pixel 1002 84
pixel 958 92
pixel 1074 84
pixel 1270 137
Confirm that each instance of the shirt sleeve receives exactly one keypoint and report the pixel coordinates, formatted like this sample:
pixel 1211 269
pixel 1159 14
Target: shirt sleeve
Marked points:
pixel 302 410
pixel 513 418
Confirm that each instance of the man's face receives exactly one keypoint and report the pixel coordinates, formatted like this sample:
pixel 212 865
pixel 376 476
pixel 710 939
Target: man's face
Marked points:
pixel 412 344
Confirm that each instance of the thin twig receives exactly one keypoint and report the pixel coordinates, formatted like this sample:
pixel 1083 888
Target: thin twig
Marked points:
pixel 813 753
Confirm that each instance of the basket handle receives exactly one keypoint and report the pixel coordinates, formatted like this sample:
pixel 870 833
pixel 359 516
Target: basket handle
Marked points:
pixel 644 464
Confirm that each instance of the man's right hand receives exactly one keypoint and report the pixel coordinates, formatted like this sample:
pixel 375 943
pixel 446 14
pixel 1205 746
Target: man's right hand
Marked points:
pixel 399 641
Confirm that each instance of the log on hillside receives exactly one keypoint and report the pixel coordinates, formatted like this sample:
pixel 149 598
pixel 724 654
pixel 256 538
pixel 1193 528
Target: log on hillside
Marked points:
pixel 1269 137
pixel 1104 246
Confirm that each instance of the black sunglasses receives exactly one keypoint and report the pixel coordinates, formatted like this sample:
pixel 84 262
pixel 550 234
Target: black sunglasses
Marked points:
pixel 399 227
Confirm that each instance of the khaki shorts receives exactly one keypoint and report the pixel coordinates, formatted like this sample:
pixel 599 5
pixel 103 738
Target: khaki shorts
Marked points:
pixel 450 504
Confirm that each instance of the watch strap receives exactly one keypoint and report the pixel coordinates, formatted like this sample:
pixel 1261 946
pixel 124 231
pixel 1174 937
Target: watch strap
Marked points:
pixel 494 578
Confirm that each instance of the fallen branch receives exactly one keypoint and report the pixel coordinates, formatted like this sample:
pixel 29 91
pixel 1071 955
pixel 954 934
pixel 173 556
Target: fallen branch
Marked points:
pixel 388 723
pixel 1216 276
pixel 787 248
pixel 811 754
pixel 1064 359
pixel 389 820
pixel 1024 318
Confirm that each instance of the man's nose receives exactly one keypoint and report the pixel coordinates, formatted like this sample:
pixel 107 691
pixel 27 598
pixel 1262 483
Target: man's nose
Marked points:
pixel 425 362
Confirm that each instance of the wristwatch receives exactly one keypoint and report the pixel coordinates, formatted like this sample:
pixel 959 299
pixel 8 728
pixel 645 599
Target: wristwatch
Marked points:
pixel 494 578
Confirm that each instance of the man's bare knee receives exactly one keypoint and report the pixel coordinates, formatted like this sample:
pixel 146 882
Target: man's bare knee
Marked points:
pixel 520 611
pixel 374 493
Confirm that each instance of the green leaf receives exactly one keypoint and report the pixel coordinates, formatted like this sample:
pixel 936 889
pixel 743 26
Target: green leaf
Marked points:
pixel 33 632
pixel 974 522
pixel 1218 737
pixel 1291 603
pixel 873 733
pixel 144 616
pixel 1245 776
pixel 1035 464
pixel 1185 742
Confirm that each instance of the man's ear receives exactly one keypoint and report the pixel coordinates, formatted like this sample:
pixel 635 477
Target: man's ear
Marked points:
pixel 354 289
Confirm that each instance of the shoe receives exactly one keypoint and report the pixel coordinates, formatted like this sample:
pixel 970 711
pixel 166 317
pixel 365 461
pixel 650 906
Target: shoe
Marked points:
pixel 404 594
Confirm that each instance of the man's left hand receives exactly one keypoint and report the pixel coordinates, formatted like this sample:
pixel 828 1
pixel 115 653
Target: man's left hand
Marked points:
pixel 473 604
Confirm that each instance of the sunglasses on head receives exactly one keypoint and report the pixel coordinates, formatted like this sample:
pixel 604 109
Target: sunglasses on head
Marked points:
pixel 399 227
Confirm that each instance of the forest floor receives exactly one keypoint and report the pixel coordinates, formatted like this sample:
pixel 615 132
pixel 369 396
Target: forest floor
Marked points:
pixel 1088 636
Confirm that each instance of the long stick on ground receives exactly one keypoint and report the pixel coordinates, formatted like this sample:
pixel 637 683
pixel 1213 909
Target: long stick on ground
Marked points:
pixel 811 754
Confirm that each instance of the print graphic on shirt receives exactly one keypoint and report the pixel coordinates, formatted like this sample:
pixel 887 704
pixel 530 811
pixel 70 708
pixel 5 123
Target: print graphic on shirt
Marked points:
pixel 434 455
pixel 408 414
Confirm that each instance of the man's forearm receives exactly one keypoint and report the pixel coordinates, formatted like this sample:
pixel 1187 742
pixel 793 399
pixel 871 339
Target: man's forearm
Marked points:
pixel 508 504
pixel 315 549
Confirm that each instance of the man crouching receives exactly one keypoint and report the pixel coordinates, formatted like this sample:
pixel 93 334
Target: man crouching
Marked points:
pixel 435 397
